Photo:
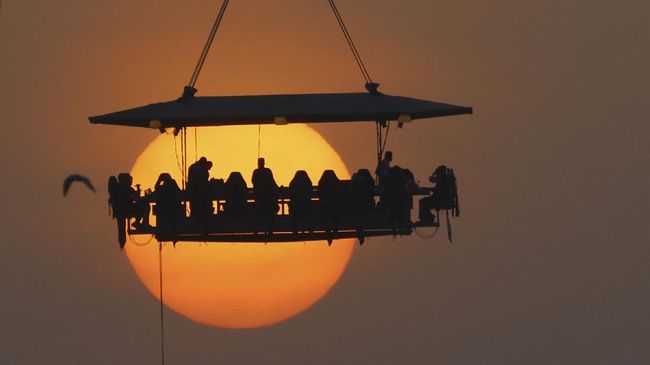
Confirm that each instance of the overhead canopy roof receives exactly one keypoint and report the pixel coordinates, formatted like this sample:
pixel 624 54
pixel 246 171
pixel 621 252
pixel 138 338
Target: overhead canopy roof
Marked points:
pixel 278 109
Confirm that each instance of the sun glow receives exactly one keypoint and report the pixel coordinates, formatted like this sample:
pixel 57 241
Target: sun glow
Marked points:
pixel 242 285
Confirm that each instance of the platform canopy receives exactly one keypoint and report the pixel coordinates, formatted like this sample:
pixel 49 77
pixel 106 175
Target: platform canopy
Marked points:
pixel 278 109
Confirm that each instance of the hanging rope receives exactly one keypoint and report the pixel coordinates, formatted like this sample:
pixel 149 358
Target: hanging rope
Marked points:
pixel 162 322
pixel 196 145
pixel 208 44
pixel 178 160
pixel 353 48
pixel 259 139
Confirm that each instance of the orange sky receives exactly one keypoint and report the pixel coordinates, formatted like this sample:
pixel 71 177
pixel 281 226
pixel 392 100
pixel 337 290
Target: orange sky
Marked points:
pixel 550 257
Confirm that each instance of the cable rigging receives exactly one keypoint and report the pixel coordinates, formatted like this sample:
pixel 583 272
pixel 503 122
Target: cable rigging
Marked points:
pixel 189 89
pixel 370 86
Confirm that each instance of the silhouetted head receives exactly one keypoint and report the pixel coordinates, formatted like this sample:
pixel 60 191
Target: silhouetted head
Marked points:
pixel 112 184
pixel 203 159
pixel 208 165
pixel 364 174
pixel 260 162
pixel 388 156
pixel 125 179
pixel 438 174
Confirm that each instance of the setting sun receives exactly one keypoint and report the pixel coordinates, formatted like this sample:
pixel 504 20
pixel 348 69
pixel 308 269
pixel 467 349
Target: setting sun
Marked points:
pixel 242 285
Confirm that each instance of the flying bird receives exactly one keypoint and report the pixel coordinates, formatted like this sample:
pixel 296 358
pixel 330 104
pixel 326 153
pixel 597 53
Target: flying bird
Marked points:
pixel 72 178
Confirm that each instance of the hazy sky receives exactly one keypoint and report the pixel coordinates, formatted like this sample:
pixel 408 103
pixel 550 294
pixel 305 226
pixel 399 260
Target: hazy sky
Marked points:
pixel 551 262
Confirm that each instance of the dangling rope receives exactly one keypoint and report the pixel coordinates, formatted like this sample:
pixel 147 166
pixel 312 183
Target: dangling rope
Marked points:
pixel 208 43
pixel 353 48
pixel 178 160
pixel 259 139
pixel 162 322
pixel 196 145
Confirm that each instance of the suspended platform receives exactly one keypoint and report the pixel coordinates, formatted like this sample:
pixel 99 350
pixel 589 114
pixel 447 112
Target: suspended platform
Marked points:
pixel 281 231
pixel 344 221
pixel 195 111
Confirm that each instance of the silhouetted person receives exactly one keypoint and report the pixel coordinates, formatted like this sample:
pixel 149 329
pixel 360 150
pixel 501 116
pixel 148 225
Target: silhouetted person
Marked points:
pixel 127 203
pixel 236 194
pixel 169 208
pixel 393 198
pixel 300 192
pixel 443 195
pixel 133 205
pixel 198 189
pixel 410 185
pixel 384 166
pixel 266 193
pixel 329 195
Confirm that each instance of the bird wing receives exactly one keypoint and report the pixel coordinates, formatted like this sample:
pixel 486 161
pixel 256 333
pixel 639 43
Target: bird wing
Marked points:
pixel 66 184
pixel 89 185
pixel 72 178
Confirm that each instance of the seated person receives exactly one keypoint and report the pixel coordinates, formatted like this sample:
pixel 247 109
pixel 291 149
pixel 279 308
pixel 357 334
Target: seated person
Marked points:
pixel 443 195
pixel 167 196
pixel 300 193
pixel 198 189
pixel 383 167
pixel 236 193
pixel 410 187
pixel 128 203
pixel 393 198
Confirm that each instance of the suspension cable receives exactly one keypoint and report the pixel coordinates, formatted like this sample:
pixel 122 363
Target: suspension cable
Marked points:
pixel 353 48
pixel 383 147
pixel 184 135
pixel 190 89
pixel 382 139
pixel 208 44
